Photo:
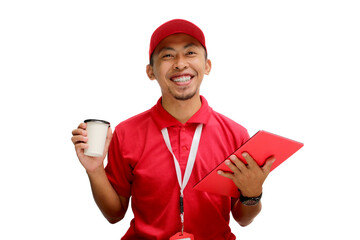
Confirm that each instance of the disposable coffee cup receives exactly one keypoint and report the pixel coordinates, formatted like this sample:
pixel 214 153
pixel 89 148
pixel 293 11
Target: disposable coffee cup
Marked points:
pixel 96 133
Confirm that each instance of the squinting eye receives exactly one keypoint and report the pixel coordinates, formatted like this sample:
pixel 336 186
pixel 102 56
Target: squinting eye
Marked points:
pixel 191 53
pixel 166 56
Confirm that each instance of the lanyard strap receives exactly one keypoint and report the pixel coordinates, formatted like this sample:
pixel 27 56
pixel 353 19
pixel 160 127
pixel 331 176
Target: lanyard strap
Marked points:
pixel 191 158
pixel 189 166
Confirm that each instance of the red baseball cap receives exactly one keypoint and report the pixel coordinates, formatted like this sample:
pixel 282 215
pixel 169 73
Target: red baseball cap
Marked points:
pixel 173 27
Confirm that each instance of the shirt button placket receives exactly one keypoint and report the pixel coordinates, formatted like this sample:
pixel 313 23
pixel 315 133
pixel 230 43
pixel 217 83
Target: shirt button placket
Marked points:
pixel 183 146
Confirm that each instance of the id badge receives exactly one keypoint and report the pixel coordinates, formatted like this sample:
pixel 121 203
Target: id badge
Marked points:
pixel 183 236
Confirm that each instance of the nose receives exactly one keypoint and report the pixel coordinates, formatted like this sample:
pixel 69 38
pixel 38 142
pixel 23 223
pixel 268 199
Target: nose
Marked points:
pixel 180 63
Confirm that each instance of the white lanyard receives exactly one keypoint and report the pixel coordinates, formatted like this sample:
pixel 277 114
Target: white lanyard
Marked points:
pixel 191 159
pixel 189 165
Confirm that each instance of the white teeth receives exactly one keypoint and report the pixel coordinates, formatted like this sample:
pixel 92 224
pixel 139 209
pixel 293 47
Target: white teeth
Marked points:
pixel 182 79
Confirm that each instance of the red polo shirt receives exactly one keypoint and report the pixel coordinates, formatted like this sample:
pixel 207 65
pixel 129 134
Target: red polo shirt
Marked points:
pixel 141 166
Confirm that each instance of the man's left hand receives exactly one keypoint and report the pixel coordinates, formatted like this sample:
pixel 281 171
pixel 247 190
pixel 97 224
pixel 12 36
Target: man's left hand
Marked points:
pixel 248 178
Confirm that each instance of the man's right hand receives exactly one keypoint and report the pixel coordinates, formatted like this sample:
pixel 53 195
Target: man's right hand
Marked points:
pixel 80 139
pixel 112 205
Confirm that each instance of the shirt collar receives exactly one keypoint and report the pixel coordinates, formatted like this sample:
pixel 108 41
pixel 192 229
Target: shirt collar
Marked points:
pixel 163 119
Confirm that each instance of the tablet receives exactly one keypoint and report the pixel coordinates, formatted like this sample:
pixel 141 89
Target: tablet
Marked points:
pixel 261 146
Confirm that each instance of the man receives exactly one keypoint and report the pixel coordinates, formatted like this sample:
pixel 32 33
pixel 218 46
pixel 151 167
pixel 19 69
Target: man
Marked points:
pixel 157 156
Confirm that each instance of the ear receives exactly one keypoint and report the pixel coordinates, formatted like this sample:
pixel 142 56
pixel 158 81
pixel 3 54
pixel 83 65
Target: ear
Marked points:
pixel 150 72
pixel 207 66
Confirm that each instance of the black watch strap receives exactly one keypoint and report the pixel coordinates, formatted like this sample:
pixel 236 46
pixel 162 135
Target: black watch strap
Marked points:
pixel 250 201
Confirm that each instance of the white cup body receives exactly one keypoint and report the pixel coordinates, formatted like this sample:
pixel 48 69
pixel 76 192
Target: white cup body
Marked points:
pixel 96 133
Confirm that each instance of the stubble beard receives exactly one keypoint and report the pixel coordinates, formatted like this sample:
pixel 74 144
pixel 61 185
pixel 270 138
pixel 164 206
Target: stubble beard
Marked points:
pixel 183 97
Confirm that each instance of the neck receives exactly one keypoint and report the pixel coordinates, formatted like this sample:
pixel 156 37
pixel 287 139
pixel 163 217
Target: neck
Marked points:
pixel 182 110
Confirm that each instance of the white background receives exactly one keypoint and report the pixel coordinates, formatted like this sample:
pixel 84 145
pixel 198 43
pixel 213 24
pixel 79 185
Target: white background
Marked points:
pixel 289 67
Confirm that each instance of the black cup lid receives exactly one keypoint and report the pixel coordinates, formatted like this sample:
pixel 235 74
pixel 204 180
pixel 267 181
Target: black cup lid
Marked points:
pixel 96 120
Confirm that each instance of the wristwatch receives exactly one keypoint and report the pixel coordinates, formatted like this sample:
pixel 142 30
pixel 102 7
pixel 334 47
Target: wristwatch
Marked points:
pixel 250 201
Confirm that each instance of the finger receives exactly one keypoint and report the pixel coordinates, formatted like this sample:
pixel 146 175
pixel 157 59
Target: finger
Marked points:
pixel 239 164
pixel 250 161
pixel 226 174
pixel 79 139
pixel 268 164
pixel 82 125
pixel 79 131
pixel 232 166
pixel 79 147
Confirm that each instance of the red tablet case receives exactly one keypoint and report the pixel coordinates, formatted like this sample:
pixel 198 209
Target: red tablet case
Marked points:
pixel 261 146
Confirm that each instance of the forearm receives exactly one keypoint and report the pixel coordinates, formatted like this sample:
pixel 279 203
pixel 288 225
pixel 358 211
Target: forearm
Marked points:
pixel 112 206
pixel 244 215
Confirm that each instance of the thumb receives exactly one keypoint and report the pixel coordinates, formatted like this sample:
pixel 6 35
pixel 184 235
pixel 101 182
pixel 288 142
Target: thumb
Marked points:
pixel 108 139
pixel 267 166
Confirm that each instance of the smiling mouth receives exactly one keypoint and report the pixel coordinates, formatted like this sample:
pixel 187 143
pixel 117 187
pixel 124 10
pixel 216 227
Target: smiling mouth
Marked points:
pixel 181 79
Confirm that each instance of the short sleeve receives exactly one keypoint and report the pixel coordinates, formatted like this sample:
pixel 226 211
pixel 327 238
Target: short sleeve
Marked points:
pixel 118 170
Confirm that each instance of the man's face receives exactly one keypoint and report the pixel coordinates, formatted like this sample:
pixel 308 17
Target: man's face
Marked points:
pixel 179 65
